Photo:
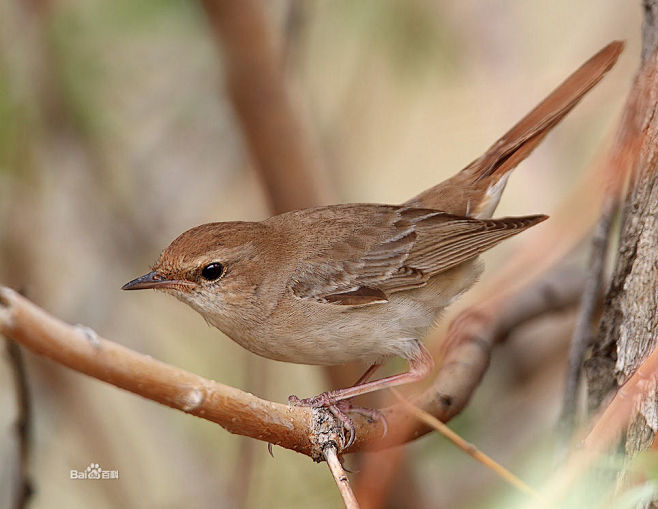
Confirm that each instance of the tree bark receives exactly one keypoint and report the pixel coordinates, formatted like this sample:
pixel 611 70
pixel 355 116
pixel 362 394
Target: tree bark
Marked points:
pixel 629 326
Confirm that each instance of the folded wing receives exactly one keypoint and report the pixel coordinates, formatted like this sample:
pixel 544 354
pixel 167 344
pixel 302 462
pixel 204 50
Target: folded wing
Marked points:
pixel 399 249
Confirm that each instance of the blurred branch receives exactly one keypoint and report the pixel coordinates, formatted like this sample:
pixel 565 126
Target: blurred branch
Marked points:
pixel 464 357
pixel 280 145
pixel 277 138
pixel 589 303
pixel 475 331
pixel 24 487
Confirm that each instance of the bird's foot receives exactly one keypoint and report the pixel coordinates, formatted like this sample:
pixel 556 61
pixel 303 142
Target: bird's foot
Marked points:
pixel 325 400
pixel 372 414
pixel 339 409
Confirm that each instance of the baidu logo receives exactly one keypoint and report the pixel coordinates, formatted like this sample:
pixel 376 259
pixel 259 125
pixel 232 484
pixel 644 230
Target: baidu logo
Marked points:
pixel 94 471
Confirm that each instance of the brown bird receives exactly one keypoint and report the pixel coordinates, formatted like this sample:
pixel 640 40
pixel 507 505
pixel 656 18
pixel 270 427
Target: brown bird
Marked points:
pixel 336 284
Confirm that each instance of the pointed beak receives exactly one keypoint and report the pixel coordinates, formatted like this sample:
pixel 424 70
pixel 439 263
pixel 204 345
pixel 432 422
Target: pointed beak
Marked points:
pixel 154 280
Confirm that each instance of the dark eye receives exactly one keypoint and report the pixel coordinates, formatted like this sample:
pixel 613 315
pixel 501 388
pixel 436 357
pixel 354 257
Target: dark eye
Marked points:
pixel 212 271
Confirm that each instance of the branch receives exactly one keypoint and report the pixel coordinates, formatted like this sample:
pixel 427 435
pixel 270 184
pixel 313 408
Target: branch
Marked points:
pixel 582 335
pixel 82 350
pixel 466 357
pixel 478 329
pixel 24 488
pixel 281 146
pixel 340 477
pixel 275 131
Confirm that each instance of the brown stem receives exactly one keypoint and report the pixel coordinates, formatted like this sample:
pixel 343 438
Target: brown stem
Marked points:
pixel 583 335
pixel 278 142
pixel 24 486
pixel 82 350
pixel 342 481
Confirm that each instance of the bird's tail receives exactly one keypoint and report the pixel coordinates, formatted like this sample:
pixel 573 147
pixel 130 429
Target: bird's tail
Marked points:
pixel 476 190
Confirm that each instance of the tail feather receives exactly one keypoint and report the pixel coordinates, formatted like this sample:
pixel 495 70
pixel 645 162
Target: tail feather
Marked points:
pixel 476 190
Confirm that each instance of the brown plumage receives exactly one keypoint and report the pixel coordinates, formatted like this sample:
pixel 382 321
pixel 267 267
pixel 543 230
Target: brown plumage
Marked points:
pixel 387 249
pixel 359 282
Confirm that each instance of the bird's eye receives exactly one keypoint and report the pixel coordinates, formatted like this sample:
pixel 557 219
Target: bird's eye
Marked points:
pixel 212 271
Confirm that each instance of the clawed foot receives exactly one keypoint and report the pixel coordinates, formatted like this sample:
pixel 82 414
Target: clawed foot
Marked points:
pixel 372 414
pixel 339 409
pixel 325 400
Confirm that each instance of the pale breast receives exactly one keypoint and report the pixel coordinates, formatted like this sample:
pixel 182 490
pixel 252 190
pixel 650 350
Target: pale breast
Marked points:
pixel 329 334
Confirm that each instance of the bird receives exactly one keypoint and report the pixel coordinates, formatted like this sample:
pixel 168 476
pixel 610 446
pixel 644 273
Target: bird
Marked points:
pixel 360 282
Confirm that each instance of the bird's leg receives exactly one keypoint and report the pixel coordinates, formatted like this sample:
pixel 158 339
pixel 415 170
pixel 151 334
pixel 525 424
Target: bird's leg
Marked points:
pixel 419 368
pixel 371 413
pixel 336 400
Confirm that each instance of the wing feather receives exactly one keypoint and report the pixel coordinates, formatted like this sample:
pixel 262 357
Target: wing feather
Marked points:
pixel 386 249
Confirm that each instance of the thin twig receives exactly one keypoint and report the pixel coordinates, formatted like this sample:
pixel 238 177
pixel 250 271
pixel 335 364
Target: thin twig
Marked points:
pixel 24 487
pixel 465 446
pixel 340 476
pixel 582 335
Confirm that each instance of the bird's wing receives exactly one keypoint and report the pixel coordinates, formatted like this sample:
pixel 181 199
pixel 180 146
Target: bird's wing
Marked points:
pixel 384 249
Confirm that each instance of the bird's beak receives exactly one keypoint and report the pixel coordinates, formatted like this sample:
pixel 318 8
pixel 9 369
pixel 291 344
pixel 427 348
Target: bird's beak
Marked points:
pixel 154 280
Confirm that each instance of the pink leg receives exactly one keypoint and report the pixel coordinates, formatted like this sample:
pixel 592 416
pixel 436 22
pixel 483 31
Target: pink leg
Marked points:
pixel 418 369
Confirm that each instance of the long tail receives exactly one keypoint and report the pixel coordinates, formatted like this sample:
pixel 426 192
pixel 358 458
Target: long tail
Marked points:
pixel 476 190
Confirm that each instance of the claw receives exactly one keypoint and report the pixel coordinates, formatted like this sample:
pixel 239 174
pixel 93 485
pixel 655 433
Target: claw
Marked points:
pixel 325 400
pixel 339 409
pixel 294 400
pixel 370 413
pixel 347 423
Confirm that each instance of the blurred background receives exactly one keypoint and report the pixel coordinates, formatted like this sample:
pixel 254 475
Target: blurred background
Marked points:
pixel 117 134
